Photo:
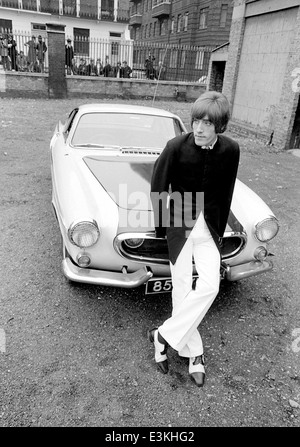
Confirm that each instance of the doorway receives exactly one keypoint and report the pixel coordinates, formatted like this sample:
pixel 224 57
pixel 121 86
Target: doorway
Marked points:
pixel 295 137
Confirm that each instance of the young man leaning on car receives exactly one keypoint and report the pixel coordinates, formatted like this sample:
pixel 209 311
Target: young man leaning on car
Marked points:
pixel 201 169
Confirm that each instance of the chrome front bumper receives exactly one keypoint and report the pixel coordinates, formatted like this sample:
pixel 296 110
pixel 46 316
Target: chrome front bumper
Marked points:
pixel 104 278
pixel 141 276
pixel 237 272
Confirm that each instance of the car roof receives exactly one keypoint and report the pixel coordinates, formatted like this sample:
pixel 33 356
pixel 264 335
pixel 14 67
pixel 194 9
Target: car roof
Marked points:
pixel 124 108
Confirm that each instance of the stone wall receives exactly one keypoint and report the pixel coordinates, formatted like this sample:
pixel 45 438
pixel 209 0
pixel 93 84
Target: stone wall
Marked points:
pixel 36 85
pixel 81 86
pixel 23 85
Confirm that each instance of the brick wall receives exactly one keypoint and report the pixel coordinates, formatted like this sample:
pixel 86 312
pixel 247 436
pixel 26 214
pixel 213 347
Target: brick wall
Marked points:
pixel 81 86
pixel 20 85
pixel 284 116
pixel 236 40
pixel 277 103
pixel 33 85
pixel 56 59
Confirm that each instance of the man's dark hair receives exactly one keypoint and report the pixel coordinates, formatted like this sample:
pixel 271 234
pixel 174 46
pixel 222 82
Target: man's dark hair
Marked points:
pixel 217 108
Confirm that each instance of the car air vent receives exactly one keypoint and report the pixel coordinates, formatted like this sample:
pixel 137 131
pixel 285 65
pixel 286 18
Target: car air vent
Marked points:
pixel 232 244
pixel 140 152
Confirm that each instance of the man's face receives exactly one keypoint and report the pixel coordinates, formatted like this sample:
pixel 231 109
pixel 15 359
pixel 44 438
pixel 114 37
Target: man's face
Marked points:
pixel 204 131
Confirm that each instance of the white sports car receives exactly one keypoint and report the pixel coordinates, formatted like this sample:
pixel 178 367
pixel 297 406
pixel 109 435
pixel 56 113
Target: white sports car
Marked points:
pixel 101 162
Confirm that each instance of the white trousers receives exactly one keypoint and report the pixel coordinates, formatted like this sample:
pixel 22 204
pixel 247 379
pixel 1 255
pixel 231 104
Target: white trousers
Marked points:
pixel 190 306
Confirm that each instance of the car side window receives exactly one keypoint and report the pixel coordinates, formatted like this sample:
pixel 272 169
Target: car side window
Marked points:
pixel 69 122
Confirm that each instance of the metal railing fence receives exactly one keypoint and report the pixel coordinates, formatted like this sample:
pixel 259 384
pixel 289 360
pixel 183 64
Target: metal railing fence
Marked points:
pixel 181 63
pixel 93 56
pixel 25 53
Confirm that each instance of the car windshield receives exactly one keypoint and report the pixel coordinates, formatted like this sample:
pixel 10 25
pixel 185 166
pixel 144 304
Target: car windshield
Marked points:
pixel 124 130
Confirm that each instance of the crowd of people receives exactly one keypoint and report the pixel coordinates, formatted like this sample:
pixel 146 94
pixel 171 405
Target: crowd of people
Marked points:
pixel 94 68
pixel 33 60
pixel 97 68
pixel 14 59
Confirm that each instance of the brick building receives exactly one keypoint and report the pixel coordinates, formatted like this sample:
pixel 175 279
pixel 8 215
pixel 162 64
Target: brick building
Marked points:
pixel 186 22
pixel 263 70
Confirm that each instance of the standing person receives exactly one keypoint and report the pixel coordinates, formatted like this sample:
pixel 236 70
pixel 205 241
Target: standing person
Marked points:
pixel 150 70
pixel 107 67
pixel 91 68
pixel 201 168
pixel 41 49
pixel 21 61
pixel 99 67
pixel 118 70
pixel 69 57
pixel 82 67
pixel 125 70
pixel 31 56
pixel 12 52
pixel 4 52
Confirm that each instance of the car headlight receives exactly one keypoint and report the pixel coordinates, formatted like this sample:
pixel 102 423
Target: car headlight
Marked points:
pixel 84 234
pixel 266 229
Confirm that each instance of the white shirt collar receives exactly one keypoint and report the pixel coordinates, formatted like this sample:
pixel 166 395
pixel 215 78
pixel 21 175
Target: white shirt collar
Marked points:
pixel 211 146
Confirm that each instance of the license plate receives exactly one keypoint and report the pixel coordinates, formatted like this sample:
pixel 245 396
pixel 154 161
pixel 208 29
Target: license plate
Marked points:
pixel 160 285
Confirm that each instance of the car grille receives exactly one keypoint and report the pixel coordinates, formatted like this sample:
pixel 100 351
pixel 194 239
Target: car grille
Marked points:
pixel 156 250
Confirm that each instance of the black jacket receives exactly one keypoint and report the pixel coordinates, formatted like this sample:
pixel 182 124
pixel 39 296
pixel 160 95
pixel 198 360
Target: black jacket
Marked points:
pixel 185 168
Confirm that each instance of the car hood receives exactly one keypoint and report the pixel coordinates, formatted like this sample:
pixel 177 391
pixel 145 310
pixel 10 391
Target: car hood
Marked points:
pixel 126 180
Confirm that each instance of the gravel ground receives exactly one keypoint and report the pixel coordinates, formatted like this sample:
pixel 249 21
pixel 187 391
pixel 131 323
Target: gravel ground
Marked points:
pixel 77 355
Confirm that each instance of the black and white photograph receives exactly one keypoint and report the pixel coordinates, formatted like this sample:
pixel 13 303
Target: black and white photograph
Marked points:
pixel 150 219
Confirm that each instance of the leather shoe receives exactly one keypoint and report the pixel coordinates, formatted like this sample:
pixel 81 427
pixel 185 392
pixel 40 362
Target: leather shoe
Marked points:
pixel 160 347
pixel 196 369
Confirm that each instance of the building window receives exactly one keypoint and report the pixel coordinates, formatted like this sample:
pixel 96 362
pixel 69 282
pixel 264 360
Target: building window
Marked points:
pixel 69 7
pixel 163 27
pixel 179 23
pixel 81 41
pixel 173 58
pixel 203 18
pixel 106 5
pixel 199 60
pixel 185 21
pixel 116 35
pixel 5 26
pixel 150 30
pixel 154 29
pixel 146 31
pixel 38 26
pixel 27 5
pixel 223 16
pixel 115 48
pixel 182 58
pixel 172 25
